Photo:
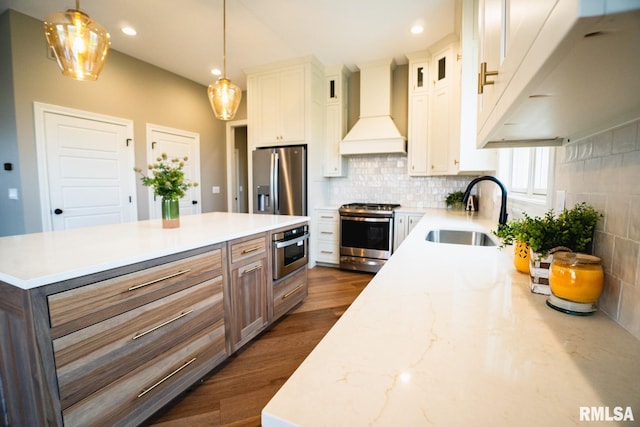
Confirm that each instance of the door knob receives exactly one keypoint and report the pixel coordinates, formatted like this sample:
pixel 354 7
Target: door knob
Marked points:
pixel 58 211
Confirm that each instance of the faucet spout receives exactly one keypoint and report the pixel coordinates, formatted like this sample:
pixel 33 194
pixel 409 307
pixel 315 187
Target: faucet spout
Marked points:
pixel 503 205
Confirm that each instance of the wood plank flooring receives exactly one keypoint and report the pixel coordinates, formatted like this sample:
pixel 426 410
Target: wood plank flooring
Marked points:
pixel 237 391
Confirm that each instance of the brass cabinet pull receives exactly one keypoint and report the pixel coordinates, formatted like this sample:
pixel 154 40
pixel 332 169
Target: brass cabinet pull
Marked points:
pixel 326 252
pixel 147 390
pixel 151 282
pixel 253 249
pixel 293 291
pixel 257 267
pixel 482 77
pixel 326 216
pixel 155 328
pixel 326 232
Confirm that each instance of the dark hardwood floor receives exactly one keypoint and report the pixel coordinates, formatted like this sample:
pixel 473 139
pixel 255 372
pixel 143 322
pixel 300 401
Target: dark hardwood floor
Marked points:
pixel 237 391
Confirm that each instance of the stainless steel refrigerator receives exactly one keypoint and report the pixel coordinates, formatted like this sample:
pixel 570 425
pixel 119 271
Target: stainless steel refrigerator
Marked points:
pixel 280 180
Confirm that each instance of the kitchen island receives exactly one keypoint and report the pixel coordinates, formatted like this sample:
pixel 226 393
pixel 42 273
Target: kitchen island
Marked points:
pixel 450 335
pixel 106 325
pixel 32 260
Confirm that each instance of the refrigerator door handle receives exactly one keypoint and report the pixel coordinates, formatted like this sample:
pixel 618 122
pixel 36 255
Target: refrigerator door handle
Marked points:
pixel 275 163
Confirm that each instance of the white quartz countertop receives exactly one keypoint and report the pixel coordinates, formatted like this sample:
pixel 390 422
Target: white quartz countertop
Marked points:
pixel 450 335
pixel 37 259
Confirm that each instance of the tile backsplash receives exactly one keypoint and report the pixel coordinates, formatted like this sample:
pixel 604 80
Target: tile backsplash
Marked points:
pixel 603 170
pixel 384 179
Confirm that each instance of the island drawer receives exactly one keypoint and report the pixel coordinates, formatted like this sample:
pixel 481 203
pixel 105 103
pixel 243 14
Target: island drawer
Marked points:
pixel 91 358
pixel 289 292
pixel 80 307
pixel 132 398
pixel 248 247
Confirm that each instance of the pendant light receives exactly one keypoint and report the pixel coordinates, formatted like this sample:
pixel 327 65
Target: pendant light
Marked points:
pixel 224 96
pixel 79 44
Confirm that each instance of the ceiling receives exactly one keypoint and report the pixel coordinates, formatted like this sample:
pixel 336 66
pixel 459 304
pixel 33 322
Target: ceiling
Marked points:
pixel 185 37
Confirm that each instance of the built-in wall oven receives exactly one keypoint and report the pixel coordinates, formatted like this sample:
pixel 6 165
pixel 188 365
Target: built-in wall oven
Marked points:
pixel 290 250
pixel 366 235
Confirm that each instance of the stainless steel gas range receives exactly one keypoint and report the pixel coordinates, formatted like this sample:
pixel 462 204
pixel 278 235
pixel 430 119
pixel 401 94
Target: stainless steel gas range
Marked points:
pixel 366 235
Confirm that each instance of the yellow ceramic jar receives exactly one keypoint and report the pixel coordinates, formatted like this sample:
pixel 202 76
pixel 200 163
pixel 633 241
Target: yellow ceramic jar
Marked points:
pixel 521 257
pixel 576 277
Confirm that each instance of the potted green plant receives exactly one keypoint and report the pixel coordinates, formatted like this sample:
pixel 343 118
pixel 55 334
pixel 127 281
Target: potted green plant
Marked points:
pixel 168 181
pixel 454 200
pixel 571 230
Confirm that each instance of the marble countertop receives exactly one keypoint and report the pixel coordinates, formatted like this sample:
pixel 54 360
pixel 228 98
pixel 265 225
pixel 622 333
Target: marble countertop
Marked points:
pixel 31 260
pixel 450 335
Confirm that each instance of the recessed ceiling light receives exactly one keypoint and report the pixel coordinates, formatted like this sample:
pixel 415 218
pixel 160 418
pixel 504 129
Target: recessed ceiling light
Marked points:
pixel 417 29
pixel 130 31
pixel 216 72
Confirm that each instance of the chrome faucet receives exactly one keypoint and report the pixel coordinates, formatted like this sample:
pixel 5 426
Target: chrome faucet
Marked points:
pixel 503 206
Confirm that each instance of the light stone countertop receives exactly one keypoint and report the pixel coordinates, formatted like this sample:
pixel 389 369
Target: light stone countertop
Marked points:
pixel 450 335
pixel 32 260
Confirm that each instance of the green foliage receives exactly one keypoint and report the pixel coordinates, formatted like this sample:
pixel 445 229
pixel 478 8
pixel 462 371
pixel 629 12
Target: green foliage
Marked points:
pixel 454 198
pixel 573 228
pixel 167 177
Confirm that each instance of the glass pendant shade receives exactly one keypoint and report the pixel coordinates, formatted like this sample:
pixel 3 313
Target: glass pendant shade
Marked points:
pixel 80 44
pixel 224 97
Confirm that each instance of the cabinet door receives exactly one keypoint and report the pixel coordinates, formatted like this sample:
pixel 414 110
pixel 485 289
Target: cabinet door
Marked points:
pixel 491 40
pixel 418 134
pixel 269 108
pixel 439 131
pixel 292 105
pixel 249 301
pixel 332 159
pixel 399 229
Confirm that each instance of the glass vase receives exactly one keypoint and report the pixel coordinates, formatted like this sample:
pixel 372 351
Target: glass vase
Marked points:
pixel 170 212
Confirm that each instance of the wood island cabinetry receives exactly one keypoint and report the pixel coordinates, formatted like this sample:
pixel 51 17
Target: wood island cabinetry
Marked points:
pixel 115 347
pixel 247 289
pixel 111 342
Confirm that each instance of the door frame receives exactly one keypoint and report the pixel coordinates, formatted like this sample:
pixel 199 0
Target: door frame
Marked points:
pixel 39 111
pixel 231 169
pixel 150 159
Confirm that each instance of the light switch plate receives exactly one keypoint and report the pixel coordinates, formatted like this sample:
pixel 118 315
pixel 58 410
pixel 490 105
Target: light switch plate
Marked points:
pixel 13 194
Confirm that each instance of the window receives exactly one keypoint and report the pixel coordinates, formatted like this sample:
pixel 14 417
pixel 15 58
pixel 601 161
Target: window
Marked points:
pixel 531 176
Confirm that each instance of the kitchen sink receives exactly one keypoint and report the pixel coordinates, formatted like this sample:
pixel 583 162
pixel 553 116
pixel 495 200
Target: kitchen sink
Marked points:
pixel 460 237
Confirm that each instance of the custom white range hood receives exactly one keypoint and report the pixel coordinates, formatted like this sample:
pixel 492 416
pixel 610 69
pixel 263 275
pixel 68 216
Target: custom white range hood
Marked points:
pixel 375 132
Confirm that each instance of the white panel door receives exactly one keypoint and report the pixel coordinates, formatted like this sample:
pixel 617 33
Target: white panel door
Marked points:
pixel 176 144
pixel 89 164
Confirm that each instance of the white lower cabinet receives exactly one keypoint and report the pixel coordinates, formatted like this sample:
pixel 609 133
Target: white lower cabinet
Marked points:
pixel 328 239
pixel 403 224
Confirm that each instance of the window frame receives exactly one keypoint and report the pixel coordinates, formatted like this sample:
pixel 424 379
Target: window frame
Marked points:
pixel 527 201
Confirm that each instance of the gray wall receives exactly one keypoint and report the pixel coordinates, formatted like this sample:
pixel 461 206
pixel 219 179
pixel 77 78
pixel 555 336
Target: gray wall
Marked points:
pixel 127 88
pixel 10 210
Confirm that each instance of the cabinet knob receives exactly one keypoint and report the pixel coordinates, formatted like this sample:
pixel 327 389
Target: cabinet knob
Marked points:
pixel 482 77
pixel 455 162
pixel 58 211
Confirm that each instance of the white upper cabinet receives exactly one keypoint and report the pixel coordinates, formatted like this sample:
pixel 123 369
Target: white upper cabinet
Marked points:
pixel 443 107
pixel 281 107
pixel 555 69
pixel 418 114
pixel 336 103
pixel 284 102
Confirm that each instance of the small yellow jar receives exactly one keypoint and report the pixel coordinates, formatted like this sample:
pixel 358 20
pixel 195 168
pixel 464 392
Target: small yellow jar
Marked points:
pixel 576 277
pixel 521 257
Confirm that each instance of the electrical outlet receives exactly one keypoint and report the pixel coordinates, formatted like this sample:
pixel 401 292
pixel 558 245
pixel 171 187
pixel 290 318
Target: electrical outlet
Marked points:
pixel 561 201
pixel 13 194
pixel 215 189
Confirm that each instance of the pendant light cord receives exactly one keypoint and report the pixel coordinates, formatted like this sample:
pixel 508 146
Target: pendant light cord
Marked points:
pixel 224 38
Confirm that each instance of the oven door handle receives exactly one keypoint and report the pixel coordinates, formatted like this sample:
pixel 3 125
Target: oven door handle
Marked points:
pixel 365 219
pixel 285 243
